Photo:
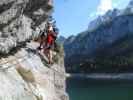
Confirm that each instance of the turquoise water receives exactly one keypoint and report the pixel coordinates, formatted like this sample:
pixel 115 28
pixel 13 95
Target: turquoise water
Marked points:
pixel 88 89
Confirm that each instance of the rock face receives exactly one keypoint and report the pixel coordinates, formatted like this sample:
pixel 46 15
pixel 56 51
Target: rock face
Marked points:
pixel 16 19
pixel 108 37
pixel 26 76
pixel 24 73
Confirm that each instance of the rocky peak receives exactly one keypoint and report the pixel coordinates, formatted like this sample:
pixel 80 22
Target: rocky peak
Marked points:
pixel 70 39
pixel 130 3
pixel 109 16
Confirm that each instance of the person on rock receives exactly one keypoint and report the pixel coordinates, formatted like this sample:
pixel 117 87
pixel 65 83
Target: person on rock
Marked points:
pixel 49 44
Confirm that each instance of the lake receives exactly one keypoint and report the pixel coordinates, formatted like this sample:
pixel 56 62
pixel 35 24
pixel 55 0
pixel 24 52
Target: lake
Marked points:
pixel 94 89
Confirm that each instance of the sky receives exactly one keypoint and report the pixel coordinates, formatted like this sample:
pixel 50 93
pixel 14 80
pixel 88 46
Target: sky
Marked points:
pixel 73 16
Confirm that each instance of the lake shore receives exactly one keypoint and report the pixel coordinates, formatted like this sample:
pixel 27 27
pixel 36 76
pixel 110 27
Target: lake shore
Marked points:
pixel 126 76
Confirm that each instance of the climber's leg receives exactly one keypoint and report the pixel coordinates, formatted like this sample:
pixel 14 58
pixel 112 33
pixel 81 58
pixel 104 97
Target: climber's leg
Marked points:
pixel 41 44
pixel 50 57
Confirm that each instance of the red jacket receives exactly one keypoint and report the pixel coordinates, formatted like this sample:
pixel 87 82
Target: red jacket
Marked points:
pixel 50 38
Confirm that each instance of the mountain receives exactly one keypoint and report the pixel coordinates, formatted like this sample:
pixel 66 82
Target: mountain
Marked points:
pixel 106 46
pixel 61 39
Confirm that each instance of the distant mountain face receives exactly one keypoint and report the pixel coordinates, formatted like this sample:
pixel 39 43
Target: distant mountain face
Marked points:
pixel 107 42
pixel 61 39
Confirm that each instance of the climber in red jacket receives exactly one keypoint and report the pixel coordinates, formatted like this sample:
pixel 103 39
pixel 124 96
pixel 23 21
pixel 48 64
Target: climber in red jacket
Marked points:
pixel 49 44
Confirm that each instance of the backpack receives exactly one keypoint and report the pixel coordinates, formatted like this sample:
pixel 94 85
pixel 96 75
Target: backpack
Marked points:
pixel 55 33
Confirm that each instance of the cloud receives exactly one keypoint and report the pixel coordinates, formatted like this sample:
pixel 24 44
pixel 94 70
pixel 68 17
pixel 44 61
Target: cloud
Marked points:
pixel 104 6
pixel 120 3
pixel 93 14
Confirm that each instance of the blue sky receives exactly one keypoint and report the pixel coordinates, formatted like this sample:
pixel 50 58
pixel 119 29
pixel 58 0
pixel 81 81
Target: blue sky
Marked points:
pixel 73 16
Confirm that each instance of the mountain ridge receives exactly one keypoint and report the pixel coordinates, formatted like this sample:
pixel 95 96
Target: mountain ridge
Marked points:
pixel 105 31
